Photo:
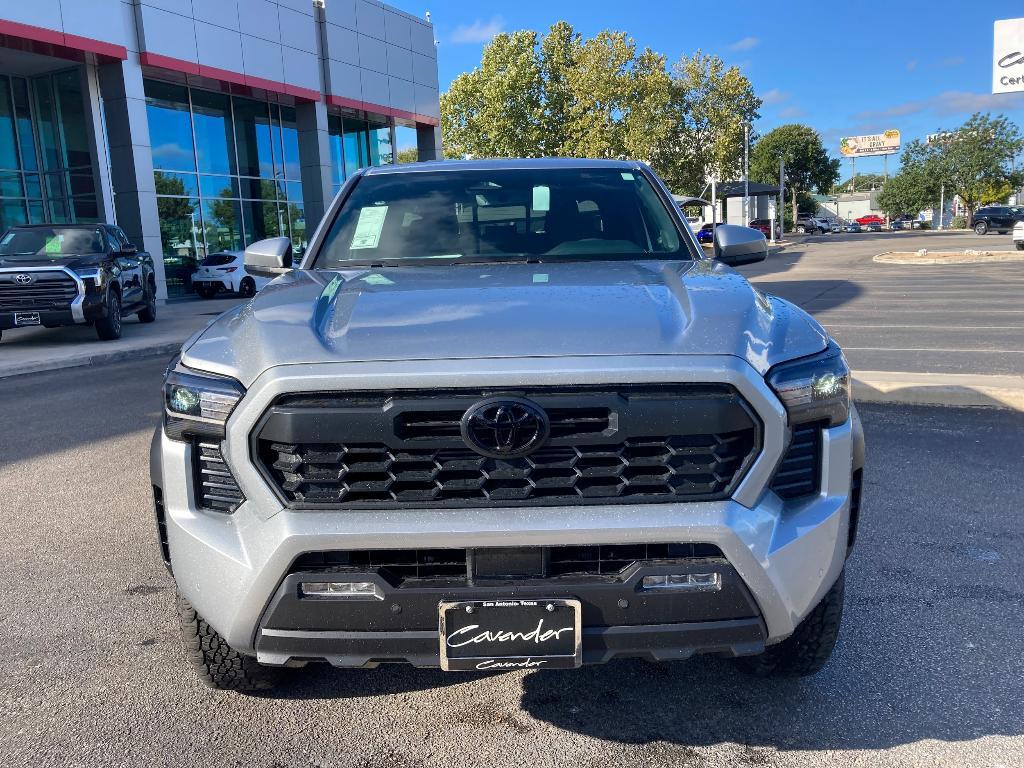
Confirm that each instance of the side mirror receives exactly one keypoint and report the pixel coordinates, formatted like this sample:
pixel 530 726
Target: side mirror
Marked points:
pixel 270 257
pixel 735 245
pixel 129 250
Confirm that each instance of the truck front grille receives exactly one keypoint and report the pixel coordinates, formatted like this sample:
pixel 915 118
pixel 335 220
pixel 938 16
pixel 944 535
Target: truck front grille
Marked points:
pixel 631 444
pixel 48 291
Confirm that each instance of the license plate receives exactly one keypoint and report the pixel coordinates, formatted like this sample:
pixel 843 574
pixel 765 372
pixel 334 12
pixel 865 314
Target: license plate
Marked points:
pixel 27 318
pixel 510 634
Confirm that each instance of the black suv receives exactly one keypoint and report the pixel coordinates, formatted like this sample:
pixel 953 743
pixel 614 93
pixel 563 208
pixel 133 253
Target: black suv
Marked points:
pixel 68 274
pixel 1001 218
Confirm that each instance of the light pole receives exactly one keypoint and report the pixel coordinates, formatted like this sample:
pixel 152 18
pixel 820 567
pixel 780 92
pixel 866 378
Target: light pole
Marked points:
pixel 746 174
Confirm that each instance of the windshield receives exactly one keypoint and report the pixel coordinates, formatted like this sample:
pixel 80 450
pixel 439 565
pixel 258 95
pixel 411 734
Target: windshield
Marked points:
pixel 49 242
pixel 539 214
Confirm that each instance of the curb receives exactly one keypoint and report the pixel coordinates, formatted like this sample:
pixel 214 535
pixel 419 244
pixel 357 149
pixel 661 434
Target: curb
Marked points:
pixel 954 389
pixel 103 358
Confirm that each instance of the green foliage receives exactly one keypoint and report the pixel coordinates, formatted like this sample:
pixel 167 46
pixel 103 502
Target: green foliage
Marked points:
pixel 865 182
pixel 958 222
pixel 408 155
pixel 561 95
pixel 911 190
pixel 808 166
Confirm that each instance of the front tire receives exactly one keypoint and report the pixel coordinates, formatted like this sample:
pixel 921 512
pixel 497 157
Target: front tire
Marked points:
pixel 109 328
pixel 217 663
pixel 247 288
pixel 148 312
pixel 981 228
pixel 807 650
pixel 1020 245
pixel 801 230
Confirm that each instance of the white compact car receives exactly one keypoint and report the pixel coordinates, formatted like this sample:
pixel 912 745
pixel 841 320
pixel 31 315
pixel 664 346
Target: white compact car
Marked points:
pixel 225 271
pixel 1018 235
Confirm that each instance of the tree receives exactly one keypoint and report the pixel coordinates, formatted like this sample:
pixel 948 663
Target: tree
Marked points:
pixel 864 182
pixel 561 95
pixel 408 155
pixel 808 166
pixel 908 192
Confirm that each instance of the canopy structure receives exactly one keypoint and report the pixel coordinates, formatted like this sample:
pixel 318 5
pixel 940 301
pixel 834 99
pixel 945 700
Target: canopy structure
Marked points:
pixel 736 189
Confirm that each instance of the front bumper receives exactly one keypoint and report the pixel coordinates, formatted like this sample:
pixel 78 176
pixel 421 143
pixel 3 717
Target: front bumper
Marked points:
pixel 785 554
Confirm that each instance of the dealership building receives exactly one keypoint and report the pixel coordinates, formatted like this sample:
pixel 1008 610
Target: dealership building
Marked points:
pixel 203 125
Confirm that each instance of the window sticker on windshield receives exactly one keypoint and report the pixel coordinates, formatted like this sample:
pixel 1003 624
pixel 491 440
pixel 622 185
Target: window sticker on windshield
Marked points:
pixel 541 198
pixel 53 244
pixel 539 277
pixel 627 176
pixel 7 238
pixel 369 226
pixel 375 279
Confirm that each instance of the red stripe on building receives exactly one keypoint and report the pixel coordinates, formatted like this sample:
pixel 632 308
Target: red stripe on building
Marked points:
pixel 64 46
pixel 227 76
pixel 369 106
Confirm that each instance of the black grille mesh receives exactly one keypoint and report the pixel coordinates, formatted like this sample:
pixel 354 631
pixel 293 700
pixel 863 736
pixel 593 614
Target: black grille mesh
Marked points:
pixel 800 471
pixel 216 488
pixel 47 291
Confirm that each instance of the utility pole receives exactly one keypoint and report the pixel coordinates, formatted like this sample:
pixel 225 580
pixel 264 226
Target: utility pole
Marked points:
pixel 942 203
pixel 782 196
pixel 746 174
pixel 714 205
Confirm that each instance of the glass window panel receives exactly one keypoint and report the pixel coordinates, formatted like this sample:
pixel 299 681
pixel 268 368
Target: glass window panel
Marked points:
pixel 290 140
pixel 8 136
pixel 170 127
pixel 381 151
pixel 297 220
pixel 222 222
pixel 58 210
pixel 294 190
pixel 215 147
pixel 82 183
pixel 36 212
pixel 262 220
pixel 26 135
pixel 56 184
pixel 33 185
pixel 46 122
pixel 181 240
pixel 180 184
pixel 259 189
pixel 254 138
pixel 10 184
pixel 355 144
pixel 11 212
pixel 405 141
pixel 218 186
pixel 85 209
pixel 71 108
pixel 337 152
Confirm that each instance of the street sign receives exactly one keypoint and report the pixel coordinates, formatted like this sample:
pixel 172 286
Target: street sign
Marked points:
pixel 875 144
pixel 1008 56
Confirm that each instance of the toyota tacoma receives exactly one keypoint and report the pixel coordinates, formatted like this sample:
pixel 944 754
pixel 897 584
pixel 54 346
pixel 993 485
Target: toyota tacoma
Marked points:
pixel 507 415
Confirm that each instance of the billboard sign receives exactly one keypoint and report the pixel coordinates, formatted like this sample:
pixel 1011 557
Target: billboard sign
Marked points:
pixel 876 144
pixel 1008 56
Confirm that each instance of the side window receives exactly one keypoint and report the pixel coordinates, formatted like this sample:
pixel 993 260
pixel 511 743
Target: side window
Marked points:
pixel 120 236
pixel 110 240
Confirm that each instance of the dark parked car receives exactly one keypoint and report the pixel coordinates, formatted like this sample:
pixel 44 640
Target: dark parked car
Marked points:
pixel 873 226
pixel 74 274
pixel 1000 218
pixel 706 234
pixel 764 226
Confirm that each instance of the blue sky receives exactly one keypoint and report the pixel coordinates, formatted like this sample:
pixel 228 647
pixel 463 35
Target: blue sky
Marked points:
pixel 843 68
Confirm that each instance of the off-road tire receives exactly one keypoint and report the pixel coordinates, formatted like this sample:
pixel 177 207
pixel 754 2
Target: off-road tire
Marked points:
pixel 217 663
pixel 1020 245
pixel 206 292
pixel 807 650
pixel 109 328
pixel 247 288
pixel 981 228
pixel 148 313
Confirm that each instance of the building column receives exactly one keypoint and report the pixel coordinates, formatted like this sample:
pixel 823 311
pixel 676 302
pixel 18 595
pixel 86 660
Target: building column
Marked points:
pixel 97 135
pixel 315 162
pixel 131 159
pixel 428 142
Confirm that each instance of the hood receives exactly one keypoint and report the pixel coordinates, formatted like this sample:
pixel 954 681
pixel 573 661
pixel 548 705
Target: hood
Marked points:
pixel 480 311
pixel 73 262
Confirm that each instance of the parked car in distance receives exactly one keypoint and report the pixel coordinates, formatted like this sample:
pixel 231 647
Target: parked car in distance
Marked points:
pixel 453 439
pixel 835 226
pixel 764 226
pixel 706 234
pixel 852 226
pixel 871 218
pixel 225 271
pixel 812 224
pixel 873 226
pixel 1001 218
pixel 1018 235
pixel 74 274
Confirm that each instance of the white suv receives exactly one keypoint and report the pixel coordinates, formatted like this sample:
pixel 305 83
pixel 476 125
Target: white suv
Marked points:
pixel 1018 235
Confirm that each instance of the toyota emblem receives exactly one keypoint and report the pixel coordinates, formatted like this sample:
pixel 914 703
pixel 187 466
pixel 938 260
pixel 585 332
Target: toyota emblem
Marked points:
pixel 23 279
pixel 505 428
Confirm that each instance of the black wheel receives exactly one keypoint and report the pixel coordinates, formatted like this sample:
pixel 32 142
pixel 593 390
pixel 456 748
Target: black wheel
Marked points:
pixel 217 663
pixel 205 291
pixel 981 227
pixel 247 287
pixel 801 229
pixel 109 328
pixel 1020 245
pixel 808 648
pixel 148 313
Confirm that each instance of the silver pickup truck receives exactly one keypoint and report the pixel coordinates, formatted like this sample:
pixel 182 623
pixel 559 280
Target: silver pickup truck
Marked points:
pixel 507 415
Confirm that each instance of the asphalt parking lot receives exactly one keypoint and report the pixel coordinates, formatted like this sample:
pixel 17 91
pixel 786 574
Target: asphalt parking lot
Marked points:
pixel 929 669
pixel 887 317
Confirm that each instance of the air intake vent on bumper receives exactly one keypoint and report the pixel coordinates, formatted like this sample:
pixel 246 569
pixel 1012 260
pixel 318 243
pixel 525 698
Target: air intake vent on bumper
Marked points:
pixel 216 488
pixel 799 474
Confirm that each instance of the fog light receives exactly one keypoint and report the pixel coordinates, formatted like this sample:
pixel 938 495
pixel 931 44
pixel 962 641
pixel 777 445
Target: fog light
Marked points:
pixel 343 590
pixel 690 582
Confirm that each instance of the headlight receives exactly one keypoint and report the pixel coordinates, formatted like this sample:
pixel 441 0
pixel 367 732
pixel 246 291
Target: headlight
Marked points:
pixel 197 404
pixel 814 388
pixel 97 275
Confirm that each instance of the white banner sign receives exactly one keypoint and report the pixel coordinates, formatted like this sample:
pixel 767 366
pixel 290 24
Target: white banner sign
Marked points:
pixel 1008 56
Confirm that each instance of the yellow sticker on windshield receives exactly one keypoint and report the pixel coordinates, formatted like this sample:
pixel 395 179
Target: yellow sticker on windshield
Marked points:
pixel 369 226
pixel 53 244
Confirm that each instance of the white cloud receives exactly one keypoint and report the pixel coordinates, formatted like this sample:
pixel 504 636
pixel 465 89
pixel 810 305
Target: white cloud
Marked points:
pixel 480 31
pixel 775 96
pixel 791 113
pixel 745 44
pixel 948 103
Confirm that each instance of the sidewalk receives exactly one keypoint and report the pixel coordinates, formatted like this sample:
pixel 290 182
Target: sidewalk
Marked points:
pixel 32 350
